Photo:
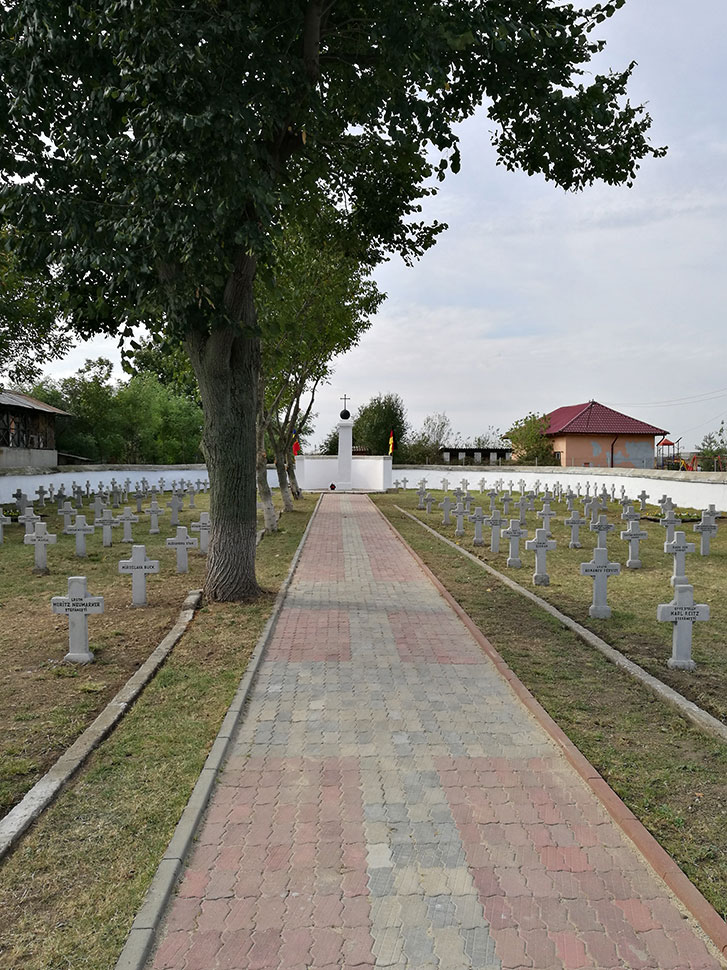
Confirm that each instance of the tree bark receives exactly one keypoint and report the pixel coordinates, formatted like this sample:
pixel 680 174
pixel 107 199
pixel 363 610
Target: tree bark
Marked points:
pixel 283 478
pixel 292 477
pixel 226 361
pixel 263 488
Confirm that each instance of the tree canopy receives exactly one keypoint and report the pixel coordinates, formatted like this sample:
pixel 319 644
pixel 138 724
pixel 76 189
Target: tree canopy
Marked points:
pixel 530 446
pixel 152 152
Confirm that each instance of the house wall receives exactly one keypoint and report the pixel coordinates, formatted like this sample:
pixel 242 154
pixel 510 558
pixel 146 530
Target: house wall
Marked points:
pixel 28 457
pixel 594 451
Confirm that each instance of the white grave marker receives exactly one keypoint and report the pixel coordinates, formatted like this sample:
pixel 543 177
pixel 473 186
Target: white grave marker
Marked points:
pixel 633 535
pixel 182 542
pixel 203 527
pixel 4 520
pixel 514 534
pixel 707 529
pixel 541 545
pixel 601 527
pixel 138 566
pixel 40 538
pixel 670 522
pixel 78 605
pixel 682 612
pixel 478 518
pixel 575 522
pixel 679 548
pixel 81 529
pixel 459 514
pixel 127 519
pixel 599 569
pixel 495 522
pixel 446 506
pixel 154 511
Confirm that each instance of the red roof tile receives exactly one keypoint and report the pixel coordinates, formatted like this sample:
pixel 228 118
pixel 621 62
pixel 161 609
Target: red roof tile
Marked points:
pixel 595 418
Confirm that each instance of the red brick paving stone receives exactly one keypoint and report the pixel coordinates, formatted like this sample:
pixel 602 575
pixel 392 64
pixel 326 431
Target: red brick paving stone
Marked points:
pixel 637 914
pixel 184 914
pixel 571 951
pixel 304 636
pixel 265 951
pixel 357 949
pixel 203 951
pixel 326 947
pixel 295 949
pixel 233 952
pixel 442 639
pixel 241 915
pixel 171 952
pixel 213 914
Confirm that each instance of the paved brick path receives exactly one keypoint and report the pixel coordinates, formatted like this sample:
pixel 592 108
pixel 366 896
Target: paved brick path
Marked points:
pixel 390 803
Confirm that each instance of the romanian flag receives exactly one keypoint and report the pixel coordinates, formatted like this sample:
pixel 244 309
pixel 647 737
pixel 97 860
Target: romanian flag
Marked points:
pixel 391 442
pixel 296 444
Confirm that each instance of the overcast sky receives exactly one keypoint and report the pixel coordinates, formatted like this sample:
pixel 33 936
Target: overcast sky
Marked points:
pixel 534 298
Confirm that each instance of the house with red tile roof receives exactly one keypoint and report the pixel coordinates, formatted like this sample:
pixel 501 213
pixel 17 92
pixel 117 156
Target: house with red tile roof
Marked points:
pixel 592 435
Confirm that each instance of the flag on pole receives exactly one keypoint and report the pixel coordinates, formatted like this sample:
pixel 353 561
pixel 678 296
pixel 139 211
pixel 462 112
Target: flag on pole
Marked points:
pixel 296 443
pixel 391 442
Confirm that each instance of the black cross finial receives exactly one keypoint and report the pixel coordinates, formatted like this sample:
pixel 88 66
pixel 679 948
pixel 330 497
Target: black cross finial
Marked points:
pixel 344 399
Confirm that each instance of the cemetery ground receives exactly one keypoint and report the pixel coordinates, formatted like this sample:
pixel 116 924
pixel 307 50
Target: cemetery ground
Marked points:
pixel 69 891
pixel 672 776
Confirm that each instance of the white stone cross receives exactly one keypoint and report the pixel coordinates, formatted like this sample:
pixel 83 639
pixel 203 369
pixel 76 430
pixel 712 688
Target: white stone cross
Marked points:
pixel 464 484
pixel 495 522
pixel 429 501
pixel 445 484
pixel 613 493
pixel 397 484
pixel 175 504
pixel 182 542
pixel 203 527
pixel 546 514
pixel 81 529
pixel 633 534
pixel 404 483
pixel 569 500
pixel 708 528
pixel 599 569
pixel 522 506
pixel 481 485
pixel 493 496
pixel 97 506
pixel 41 493
pixel 457 494
pixel 579 490
pixel 29 519
pixel 575 522
pixel 682 612
pixel 679 548
pixel 541 545
pixel 629 515
pixel 78 604
pixel 40 539
pixel 421 495
pixel 478 517
pixel 588 507
pixel 515 533
pixel 506 499
pixel 4 520
pixel 595 509
pixel 191 491
pixel 530 496
pixel 139 498
pixel 670 522
pixel 459 513
pixel 601 527
pixel 446 505
pixel 127 519
pixel 67 511
pixel 154 511
pixel 138 566
pixel 107 522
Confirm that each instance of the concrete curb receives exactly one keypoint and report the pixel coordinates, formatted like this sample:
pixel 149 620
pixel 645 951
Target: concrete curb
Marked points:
pixel 140 940
pixel 704 721
pixel 45 790
pixel 660 861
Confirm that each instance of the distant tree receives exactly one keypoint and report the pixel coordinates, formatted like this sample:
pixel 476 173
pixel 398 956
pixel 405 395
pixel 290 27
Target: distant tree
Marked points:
pixel 713 445
pixel 168 362
pixel 424 445
pixel 330 443
pixel 528 440
pixel 31 329
pixel 375 421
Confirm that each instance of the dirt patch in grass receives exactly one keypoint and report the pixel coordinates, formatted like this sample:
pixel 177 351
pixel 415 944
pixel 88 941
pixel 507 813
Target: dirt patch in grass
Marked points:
pixel 70 890
pixel 672 777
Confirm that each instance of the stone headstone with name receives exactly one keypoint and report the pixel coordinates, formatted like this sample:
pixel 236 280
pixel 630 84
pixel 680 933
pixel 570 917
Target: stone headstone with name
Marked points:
pixel 493 496
pixel 4 520
pixel 670 522
pixel 67 511
pixel 446 505
pixel 127 519
pixel 138 498
pixel 428 502
pixel 633 534
pixel 175 504
pixel 459 514
pixel 546 514
pixel 506 499
pixel 576 523
pixel 541 545
pixel 683 613
pixel 496 523
pixel 107 523
pixel 182 542
pixel 78 605
pixel 678 548
pixel 421 495
pixel 29 519
pixel 514 534
pixel 80 529
pixel 530 496
pixel 601 527
pixel 40 538
pixel 707 528
pixel 139 567
pixel 457 494
pixel 599 569
pixel 203 527
pixel 154 511
pixel 642 499
pixel 41 493
pixel 522 506
pixel 629 514
pixel 478 517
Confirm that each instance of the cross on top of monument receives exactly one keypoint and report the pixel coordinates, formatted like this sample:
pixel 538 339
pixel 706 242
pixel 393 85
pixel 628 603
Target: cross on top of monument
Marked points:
pixel 345 413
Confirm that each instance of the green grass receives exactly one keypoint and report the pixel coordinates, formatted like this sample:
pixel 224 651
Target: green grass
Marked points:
pixel 672 776
pixel 70 890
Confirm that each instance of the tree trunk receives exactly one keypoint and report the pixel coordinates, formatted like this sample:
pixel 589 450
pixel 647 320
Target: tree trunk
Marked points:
pixel 263 488
pixel 227 364
pixel 292 477
pixel 283 478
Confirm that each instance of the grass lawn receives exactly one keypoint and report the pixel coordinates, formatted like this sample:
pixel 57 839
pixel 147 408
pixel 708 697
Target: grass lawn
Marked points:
pixel 673 777
pixel 69 892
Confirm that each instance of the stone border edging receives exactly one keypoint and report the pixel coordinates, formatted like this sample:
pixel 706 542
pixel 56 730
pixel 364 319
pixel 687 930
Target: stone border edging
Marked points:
pixel 657 857
pixel 706 722
pixel 43 792
pixel 140 940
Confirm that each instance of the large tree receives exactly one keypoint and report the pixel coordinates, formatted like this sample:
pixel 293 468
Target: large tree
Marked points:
pixel 151 150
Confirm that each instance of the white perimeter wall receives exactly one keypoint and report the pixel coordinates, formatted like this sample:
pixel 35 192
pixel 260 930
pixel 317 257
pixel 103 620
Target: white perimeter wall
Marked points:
pixel 80 474
pixel 694 490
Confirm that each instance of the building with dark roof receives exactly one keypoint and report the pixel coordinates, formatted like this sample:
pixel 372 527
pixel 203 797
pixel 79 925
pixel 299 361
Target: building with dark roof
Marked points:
pixel 27 431
pixel 593 435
